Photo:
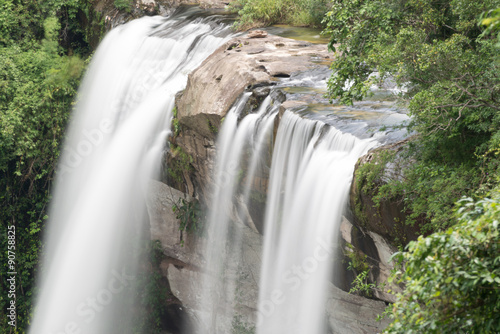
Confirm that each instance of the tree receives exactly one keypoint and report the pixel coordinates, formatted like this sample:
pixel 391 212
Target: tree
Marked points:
pixel 452 278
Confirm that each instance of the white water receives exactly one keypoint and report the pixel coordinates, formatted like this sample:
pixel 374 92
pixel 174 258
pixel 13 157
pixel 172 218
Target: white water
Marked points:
pixel 251 136
pixel 114 143
pixel 310 176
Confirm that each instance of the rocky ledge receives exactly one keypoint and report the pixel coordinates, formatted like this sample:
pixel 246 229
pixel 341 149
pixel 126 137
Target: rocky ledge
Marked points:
pixel 252 61
pixel 246 62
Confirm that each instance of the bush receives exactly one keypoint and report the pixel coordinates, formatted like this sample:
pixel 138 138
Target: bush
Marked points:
pixel 125 5
pixel 453 277
pixel 253 13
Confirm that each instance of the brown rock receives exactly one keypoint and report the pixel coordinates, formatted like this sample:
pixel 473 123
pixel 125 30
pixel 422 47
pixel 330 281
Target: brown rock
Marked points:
pixel 257 34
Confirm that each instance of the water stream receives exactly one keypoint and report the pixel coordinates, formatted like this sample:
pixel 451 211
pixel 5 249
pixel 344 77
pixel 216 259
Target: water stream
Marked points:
pixel 241 146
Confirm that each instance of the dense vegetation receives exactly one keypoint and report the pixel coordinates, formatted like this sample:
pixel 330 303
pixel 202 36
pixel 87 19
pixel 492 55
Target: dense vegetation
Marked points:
pixel 452 278
pixel 258 13
pixel 42 50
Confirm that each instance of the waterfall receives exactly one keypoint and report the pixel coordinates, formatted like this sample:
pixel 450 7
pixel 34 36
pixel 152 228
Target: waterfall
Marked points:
pixel 240 153
pixel 311 173
pixel 116 137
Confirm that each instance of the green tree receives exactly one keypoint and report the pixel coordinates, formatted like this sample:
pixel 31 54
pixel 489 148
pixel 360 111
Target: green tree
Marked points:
pixel 254 13
pixel 452 278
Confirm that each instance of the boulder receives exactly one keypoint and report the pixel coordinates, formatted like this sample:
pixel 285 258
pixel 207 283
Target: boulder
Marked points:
pixel 385 219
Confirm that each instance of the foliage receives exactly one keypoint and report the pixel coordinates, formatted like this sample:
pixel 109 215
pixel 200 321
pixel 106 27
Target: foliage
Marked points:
pixel 189 215
pixel 358 264
pixel 437 52
pixel 360 285
pixel 179 163
pixel 357 260
pixel 175 123
pixel 240 327
pixel 453 277
pixel 125 5
pixel 491 20
pixel 254 13
pixel 38 82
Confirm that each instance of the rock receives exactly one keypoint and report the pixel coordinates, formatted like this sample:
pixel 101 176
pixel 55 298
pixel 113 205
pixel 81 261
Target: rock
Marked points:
pixel 212 4
pixel 164 225
pixel 387 218
pixel 378 253
pixel 346 313
pixel 202 151
pixel 241 63
pixel 257 34
pixel 149 7
pixel 182 266
pixel 353 314
pixel 186 283
pixel 261 91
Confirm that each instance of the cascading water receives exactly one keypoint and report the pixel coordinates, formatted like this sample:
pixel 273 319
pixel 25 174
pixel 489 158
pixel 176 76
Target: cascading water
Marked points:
pixel 237 143
pixel 116 137
pixel 310 176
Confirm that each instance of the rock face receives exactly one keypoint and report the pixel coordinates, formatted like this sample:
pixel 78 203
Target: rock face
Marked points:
pixel 345 313
pixel 240 64
pixel 377 252
pixel 164 225
pixel 386 218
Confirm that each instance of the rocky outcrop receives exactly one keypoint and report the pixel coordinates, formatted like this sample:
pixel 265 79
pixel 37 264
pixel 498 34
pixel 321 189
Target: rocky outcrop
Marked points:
pixel 176 244
pixel 376 253
pixel 243 63
pixel 386 218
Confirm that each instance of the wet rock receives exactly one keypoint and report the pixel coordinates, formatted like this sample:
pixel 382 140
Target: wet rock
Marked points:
pixel 261 91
